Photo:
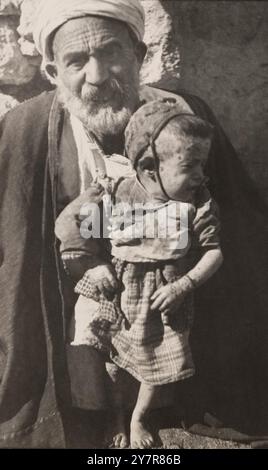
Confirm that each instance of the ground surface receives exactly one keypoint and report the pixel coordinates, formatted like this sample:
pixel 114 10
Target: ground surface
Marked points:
pixel 89 431
pixel 178 438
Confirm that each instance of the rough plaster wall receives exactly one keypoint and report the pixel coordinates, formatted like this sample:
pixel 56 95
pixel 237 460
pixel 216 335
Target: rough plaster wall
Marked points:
pixel 222 46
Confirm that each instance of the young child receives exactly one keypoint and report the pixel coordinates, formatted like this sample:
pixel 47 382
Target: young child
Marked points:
pixel 143 314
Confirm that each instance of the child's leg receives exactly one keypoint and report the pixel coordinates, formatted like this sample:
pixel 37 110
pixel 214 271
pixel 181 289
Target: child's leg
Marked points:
pixel 119 438
pixel 140 437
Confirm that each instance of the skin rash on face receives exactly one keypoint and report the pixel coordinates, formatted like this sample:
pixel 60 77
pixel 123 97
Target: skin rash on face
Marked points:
pixel 181 168
pixel 96 68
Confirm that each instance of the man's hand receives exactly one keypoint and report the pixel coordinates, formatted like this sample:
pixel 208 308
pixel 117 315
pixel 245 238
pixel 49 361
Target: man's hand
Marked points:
pixel 104 278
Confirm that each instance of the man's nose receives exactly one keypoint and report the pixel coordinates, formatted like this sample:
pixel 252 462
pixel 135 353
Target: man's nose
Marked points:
pixel 96 71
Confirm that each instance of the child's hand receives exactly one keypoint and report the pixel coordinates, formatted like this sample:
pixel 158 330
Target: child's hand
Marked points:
pixel 167 298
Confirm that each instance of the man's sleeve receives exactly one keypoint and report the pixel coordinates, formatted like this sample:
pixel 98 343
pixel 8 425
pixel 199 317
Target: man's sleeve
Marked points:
pixel 74 227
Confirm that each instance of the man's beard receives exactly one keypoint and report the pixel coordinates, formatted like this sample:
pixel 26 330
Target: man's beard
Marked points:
pixel 104 110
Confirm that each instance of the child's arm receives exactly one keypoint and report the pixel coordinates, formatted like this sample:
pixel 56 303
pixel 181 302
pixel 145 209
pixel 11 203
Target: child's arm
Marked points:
pixel 168 297
pixel 206 267
pixel 206 228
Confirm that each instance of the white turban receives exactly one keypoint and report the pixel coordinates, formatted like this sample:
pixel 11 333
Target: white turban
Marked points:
pixel 52 14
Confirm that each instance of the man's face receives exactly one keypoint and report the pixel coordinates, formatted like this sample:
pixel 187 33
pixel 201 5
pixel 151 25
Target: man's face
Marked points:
pixel 96 70
pixel 182 168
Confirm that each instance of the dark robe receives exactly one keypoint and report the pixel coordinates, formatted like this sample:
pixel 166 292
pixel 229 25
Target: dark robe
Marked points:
pixel 230 335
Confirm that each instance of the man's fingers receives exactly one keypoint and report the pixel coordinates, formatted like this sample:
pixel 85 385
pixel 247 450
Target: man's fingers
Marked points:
pixel 106 289
pixel 158 302
pixel 164 305
pixel 112 281
pixel 108 285
pixel 165 318
pixel 157 293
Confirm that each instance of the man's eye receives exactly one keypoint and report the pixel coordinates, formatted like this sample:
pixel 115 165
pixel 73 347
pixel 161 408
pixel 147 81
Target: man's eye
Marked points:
pixel 112 52
pixel 76 64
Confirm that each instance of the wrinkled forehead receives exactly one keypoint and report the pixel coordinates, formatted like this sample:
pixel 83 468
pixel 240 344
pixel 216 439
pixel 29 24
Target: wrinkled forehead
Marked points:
pixel 92 32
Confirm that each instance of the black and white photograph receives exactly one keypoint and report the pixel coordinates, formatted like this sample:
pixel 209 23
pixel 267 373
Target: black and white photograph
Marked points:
pixel 134 227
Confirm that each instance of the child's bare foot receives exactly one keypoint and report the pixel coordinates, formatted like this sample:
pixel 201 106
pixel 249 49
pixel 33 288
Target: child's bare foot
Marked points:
pixel 140 438
pixel 120 441
pixel 118 436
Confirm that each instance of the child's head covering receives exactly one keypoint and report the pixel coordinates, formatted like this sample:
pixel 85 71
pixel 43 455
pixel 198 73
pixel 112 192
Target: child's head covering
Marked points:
pixel 146 124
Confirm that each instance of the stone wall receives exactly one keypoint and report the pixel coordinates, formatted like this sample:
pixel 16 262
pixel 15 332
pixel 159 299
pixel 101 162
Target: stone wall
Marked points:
pixel 220 48
pixel 20 76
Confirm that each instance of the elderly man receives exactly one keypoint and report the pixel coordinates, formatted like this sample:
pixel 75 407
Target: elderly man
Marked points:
pixel 92 51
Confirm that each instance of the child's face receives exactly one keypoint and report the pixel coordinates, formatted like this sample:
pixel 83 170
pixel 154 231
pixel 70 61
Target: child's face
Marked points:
pixel 181 165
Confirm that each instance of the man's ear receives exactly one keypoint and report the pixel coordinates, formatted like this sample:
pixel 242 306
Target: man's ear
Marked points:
pixel 51 70
pixel 140 51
